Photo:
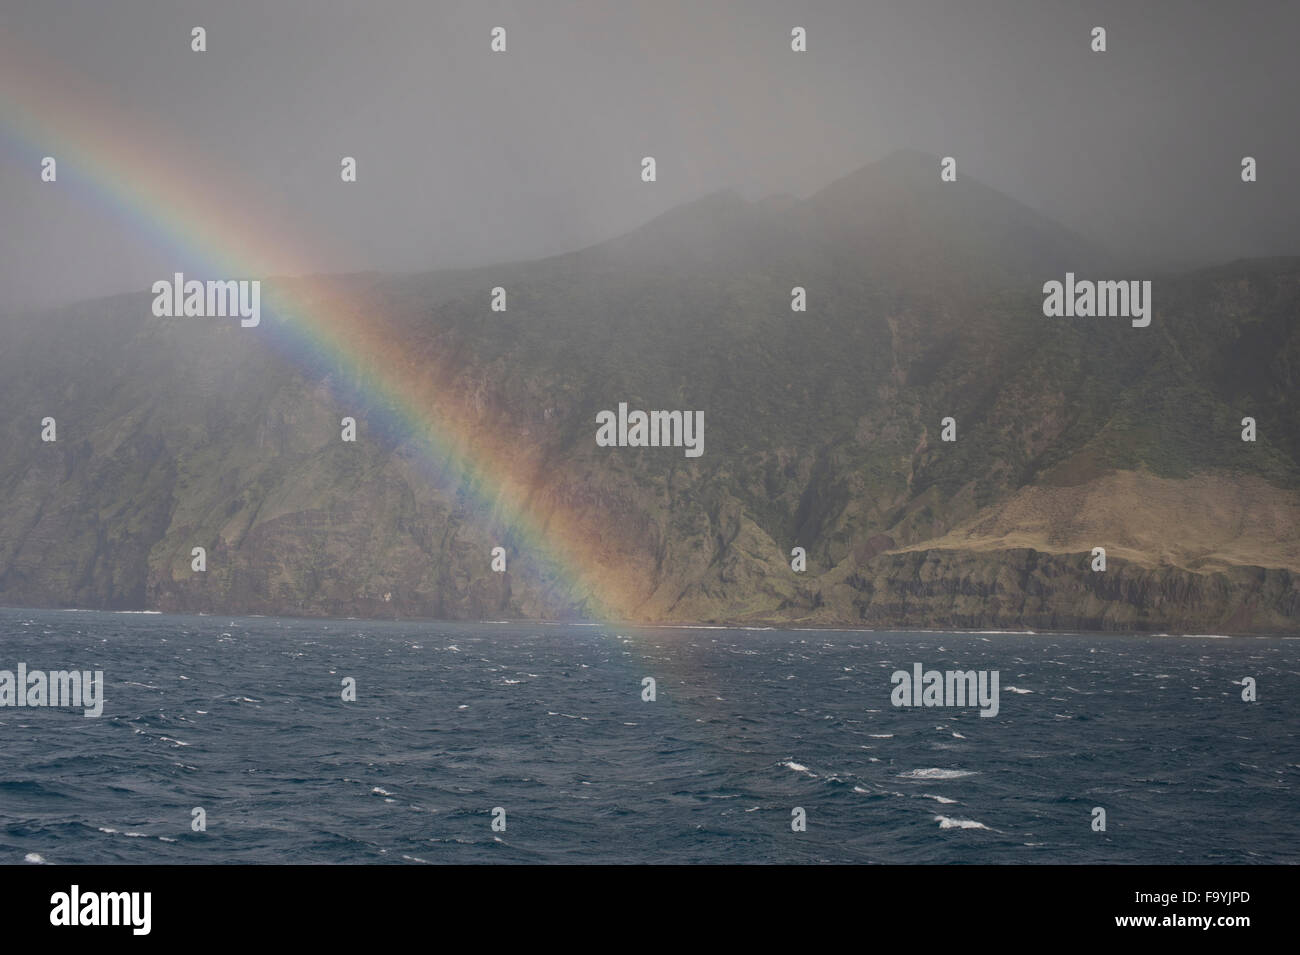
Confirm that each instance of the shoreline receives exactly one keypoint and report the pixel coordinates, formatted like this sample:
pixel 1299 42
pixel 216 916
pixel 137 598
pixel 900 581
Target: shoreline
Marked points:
pixel 755 626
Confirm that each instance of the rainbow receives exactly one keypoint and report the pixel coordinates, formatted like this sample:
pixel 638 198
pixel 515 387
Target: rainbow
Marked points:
pixel 209 227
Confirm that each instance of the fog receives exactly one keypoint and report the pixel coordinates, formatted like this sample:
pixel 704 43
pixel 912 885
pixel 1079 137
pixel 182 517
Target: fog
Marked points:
pixel 465 156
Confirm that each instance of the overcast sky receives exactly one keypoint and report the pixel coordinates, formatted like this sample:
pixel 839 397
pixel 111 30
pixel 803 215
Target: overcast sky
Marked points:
pixel 467 157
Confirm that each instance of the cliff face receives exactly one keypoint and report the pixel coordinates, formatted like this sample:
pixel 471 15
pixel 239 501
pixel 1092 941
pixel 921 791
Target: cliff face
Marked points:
pixel 822 431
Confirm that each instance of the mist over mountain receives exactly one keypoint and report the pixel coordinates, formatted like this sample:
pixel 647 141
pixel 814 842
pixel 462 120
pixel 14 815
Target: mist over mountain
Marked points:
pixel 924 302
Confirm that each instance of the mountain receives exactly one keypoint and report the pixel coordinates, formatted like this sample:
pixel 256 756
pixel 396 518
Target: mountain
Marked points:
pixel 822 431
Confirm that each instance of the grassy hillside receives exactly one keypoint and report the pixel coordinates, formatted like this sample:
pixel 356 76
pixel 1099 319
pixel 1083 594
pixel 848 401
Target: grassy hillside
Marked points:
pixel 822 431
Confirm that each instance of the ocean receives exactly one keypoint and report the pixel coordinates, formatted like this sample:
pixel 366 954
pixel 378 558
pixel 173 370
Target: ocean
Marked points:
pixel 533 743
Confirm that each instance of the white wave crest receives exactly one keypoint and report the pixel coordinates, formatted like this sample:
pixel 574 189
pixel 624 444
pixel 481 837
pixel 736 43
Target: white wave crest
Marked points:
pixel 946 823
pixel 935 773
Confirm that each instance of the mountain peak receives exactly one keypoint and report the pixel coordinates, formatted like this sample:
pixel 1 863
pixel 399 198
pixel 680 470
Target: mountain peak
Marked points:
pixel 899 209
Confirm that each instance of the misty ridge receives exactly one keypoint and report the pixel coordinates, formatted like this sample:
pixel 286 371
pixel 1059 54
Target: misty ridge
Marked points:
pixel 1136 147
pixel 938 447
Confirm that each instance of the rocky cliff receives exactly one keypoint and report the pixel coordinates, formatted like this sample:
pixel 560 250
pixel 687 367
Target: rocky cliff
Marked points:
pixel 823 431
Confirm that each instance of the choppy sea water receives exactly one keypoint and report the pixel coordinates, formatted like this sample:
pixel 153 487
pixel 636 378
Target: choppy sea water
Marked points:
pixel 244 718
